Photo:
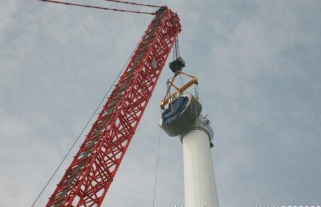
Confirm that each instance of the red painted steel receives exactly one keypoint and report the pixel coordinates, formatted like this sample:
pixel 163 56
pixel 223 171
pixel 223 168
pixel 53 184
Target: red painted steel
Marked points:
pixel 86 181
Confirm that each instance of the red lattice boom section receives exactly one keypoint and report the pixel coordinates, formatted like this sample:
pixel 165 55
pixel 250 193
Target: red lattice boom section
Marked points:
pixel 86 181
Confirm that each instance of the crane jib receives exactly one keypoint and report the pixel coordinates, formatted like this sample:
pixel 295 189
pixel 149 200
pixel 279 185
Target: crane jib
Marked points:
pixel 87 179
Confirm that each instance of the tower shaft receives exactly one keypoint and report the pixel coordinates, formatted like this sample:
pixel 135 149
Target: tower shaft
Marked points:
pixel 183 118
pixel 199 180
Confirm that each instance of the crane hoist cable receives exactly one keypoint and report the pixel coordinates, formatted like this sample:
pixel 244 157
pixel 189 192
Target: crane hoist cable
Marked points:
pixel 176 56
pixel 157 166
pixel 178 62
pixel 132 3
pixel 176 53
pixel 97 7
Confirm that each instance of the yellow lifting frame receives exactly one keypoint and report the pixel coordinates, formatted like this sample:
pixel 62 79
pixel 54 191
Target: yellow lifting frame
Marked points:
pixel 166 99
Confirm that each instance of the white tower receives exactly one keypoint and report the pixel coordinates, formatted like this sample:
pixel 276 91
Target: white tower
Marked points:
pixel 183 118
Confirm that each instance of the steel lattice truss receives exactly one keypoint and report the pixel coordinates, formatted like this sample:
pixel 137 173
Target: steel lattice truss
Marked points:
pixel 87 180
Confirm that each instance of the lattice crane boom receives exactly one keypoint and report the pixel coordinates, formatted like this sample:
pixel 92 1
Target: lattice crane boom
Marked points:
pixel 87 179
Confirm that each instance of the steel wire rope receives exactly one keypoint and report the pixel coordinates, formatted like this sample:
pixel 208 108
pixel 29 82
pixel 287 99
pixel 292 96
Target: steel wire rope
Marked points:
pixel 87 123
pixel 157 159
pixel 157 164
pixel 96 7
pixel 177 47
pixel 180 75
pixel 176 53
pixel 133 3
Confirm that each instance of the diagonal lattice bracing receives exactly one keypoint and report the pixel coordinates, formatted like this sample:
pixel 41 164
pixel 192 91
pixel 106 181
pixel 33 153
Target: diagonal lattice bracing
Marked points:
pixel 87 179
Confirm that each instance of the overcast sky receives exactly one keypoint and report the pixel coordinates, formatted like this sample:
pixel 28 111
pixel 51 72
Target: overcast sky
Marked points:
pixel 258 64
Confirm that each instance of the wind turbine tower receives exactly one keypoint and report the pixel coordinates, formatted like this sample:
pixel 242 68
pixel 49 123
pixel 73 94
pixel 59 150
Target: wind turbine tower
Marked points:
pixel 182 117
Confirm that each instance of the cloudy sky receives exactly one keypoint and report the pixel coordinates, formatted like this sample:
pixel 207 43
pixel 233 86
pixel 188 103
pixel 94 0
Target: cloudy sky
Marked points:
pixel 258 63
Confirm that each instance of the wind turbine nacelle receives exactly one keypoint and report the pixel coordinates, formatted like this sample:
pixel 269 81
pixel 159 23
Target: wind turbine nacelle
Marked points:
pixel 180 115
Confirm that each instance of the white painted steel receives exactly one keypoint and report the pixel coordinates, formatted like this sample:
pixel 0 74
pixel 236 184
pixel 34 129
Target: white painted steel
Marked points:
pixel 199 180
